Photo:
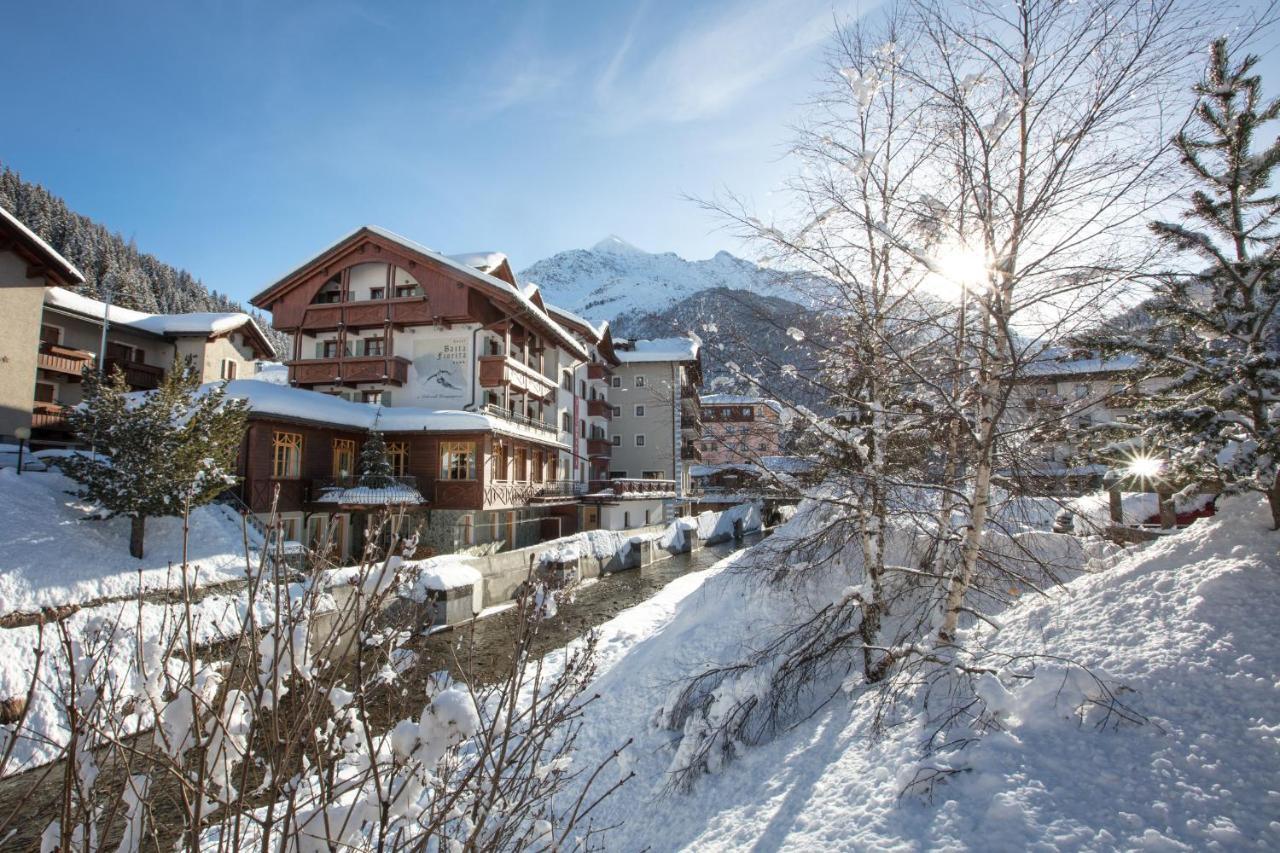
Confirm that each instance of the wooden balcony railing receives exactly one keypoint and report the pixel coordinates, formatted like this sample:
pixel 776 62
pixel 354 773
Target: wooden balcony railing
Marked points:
pixel 633 487
pixel 599 447
pixel 349 369
pixel 48 416
pixel 518 418
pixel 400 311
pixel 138 376
pixel 691 452
pixel 514 493
pixel 598 371
pixel 600 409
pixel 60 359
pixel 497 371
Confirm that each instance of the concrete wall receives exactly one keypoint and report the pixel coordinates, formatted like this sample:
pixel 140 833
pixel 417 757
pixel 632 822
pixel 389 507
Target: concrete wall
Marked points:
pixel 21 302
pixel 630 513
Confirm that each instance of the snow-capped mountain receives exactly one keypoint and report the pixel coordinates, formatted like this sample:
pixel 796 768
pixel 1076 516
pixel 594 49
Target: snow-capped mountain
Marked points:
pixel 613 279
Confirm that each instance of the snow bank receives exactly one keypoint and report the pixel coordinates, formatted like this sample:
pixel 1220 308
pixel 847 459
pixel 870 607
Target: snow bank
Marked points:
pixel 1183 628
pixel 52 552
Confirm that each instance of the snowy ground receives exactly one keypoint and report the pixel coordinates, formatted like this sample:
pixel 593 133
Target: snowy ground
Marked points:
pixel 1185 627
pixel 53 553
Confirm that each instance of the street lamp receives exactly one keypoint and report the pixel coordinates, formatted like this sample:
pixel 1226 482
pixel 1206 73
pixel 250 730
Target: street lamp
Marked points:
pixel 22 433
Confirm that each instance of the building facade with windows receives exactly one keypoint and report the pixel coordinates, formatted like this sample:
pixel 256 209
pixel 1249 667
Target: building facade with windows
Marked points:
pixel 142 346
pixel 429 343
pixel 1058 399
pixel 656 412
pixel 29 267
pixel 739 428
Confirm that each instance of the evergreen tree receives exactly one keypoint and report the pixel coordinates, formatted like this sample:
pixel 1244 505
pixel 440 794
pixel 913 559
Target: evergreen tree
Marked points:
pixel 1216 331
pixel 375 468
pixel 156 454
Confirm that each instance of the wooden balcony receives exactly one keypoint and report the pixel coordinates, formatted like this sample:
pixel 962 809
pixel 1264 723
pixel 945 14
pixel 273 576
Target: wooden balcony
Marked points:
pixel 626 487
pixel 65 360
pixel 600 409
pixel 497 371
pixel 689 451
pixel 598 371
pixel 401 311
pixel 516 493
pixel 137 375
pixel 349 370
pixel 599 448
pixel 49 416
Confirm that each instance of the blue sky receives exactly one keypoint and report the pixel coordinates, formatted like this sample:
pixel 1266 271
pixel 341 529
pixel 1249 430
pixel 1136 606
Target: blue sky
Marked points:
pixel 236 138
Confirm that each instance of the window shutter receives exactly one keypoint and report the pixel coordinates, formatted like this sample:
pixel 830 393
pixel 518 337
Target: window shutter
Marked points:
pixel 386 398
pixel 319 349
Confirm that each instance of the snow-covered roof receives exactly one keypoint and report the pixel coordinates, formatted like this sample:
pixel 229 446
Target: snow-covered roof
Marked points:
pixel 393 493
pixel 483 261
pixel 739 400
pixel 196 323
pixel 659 349
pixel 453 262
pixel 267 398
pixel 40 247
pixel 1074 366
pixel 770 464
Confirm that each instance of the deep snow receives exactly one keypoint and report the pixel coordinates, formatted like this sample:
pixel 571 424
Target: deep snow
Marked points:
pixel 1184 628
pixel 52 552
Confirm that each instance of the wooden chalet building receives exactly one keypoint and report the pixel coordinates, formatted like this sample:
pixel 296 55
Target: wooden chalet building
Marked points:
pixel 493 403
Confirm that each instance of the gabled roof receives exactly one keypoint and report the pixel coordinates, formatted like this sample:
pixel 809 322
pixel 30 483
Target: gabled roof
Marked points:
pixel 55 268
pixel 202 324
pixel 491 263
pixel 485 281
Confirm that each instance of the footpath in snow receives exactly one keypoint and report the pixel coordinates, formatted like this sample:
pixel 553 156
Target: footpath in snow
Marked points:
pixel 1184 629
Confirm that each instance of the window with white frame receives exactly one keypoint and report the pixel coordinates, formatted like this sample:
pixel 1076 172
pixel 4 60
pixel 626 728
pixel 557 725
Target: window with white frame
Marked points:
pixel 640 440
pixel 639 381
pixel 616 382
pixel 639 411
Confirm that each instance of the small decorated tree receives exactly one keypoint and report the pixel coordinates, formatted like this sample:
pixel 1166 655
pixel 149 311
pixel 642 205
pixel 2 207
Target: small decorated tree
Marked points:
pixel 156 453
pixel 375 468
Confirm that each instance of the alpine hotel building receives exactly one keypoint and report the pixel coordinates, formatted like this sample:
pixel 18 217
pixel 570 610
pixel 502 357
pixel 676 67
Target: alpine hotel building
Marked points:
pixel 493 404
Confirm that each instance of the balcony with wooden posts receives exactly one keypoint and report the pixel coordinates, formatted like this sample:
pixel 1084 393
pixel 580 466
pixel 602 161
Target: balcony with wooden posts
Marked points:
pixel 397 311
pixel 49 416
pixel 631 487
pixel 689 451
pixel 65 360
pixel 138 375
pixel 598 371
pixel 498 371
pixel 600 409
pixel 599 448
pixel 349 370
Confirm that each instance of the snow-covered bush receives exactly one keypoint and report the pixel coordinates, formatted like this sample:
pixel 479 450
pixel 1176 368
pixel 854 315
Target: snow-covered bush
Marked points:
pixel 307 720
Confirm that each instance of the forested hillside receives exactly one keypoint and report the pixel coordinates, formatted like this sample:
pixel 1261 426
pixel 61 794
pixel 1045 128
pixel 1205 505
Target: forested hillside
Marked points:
pixel 141 281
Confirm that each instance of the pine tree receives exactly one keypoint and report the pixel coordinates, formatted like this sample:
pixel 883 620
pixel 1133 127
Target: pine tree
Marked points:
pixel 1216 331
pixel 375 468
pixel 161 453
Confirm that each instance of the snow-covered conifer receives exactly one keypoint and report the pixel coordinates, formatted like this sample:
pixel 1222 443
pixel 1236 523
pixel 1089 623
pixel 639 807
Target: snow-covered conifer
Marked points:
pixel 158 453
pixel 1216 332
pixel 375 468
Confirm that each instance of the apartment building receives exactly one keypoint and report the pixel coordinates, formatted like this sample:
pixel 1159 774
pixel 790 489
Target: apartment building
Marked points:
pixel 28 268
pixel 656 412
pixel 1058 398
pixel 739 428
pixel 500 398
pixel 140 345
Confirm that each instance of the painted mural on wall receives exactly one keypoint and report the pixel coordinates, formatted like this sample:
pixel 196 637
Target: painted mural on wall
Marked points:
pixel 442 370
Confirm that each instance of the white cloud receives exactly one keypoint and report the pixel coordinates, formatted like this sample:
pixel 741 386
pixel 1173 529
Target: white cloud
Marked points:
pixel 712 65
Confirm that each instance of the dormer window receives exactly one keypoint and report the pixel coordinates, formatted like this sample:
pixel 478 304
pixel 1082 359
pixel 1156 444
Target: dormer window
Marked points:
pixel 404 290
